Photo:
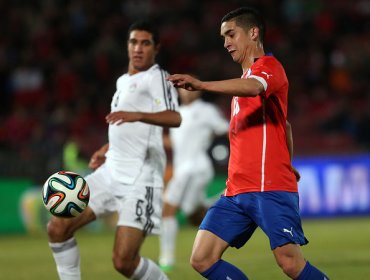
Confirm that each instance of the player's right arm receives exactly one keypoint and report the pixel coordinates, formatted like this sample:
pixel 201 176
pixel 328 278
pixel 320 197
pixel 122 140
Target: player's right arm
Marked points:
pixel 234 87
pixel 289 142
pixel 98 158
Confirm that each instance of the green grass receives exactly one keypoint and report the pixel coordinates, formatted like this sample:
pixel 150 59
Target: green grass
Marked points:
pixel 340 247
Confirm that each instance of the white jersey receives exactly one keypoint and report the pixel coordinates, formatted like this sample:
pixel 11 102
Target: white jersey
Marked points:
pixel 201 121
pixel 136 155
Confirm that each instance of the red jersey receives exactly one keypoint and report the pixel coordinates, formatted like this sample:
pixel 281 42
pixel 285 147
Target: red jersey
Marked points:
pixel 259 157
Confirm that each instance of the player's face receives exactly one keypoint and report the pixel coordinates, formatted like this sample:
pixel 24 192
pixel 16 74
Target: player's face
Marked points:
pixel 237 41
pixel 141 51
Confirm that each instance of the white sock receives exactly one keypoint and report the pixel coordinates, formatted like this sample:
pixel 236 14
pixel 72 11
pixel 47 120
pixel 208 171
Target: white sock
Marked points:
pixel 148 270
pixel 67 259
pixel 168 241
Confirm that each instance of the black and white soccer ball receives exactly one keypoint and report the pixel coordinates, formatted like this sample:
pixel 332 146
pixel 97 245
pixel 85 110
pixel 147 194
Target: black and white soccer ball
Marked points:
pixel 65 194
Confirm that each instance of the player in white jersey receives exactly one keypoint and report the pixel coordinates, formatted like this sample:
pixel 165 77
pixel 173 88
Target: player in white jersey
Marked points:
pixel 128 176
pixel 192 168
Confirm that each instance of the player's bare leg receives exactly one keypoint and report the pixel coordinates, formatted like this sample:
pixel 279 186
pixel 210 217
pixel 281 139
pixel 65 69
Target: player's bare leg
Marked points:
pixel 290 258
pixel 169 210
pixel 126 258
pixel 207 250
pixel 61 229
pixel 63 244
pixel 206 258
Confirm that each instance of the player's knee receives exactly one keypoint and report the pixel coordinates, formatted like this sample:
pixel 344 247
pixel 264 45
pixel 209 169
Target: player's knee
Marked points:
pixel 197 264
pixel 290 259
pixel 57 230
pixel 123 266
pixel 201 262
pixel 289 266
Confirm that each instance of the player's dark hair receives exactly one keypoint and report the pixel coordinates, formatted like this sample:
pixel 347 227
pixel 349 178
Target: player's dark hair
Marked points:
pixel 246 18
pixel 145 25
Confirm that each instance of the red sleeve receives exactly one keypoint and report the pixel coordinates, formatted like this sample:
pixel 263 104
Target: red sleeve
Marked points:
pixel 270 73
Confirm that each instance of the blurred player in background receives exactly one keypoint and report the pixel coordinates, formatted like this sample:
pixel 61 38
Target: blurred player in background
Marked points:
pixel 261 189
pixel 193 168
pixel 128 176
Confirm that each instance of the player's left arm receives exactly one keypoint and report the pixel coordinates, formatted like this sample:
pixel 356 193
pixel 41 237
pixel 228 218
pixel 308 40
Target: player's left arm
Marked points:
pixel 167 118
pixel 289 142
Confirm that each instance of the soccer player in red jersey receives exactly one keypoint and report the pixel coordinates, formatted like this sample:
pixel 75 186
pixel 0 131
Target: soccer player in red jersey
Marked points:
pixel 261 189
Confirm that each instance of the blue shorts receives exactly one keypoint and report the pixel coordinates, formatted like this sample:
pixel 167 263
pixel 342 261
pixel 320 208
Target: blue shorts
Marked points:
pixel 235 218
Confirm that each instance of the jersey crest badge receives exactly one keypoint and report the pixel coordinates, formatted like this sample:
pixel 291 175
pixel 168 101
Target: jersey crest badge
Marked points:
pixel 157 101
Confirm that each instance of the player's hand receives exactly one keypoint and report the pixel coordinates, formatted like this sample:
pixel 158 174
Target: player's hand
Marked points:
pixel 122 117
pixel 296 174
pixel 97 159
pixel 185 81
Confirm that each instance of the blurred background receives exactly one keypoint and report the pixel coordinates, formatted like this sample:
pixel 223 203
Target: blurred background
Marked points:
pixel 59 61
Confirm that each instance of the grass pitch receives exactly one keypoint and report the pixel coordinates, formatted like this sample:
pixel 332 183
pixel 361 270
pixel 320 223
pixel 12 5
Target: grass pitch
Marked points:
pixel 340 247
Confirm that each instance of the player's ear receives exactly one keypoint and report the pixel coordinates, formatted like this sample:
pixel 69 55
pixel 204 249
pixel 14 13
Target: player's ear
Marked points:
pixel 254 33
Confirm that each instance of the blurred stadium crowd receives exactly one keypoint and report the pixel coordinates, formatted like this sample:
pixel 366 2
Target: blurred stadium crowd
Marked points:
pixel 59 61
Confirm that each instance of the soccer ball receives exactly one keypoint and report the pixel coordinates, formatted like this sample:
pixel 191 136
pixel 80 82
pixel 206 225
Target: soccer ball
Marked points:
pixel 65 194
